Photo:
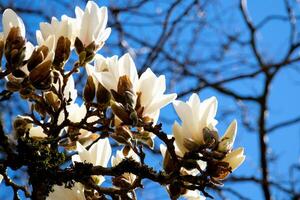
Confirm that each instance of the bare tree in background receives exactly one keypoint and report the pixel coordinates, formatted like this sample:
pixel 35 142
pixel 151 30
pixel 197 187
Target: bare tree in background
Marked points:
pixel 201 45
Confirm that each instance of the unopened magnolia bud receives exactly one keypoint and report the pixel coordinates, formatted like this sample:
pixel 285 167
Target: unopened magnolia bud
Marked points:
pixel 89 90
pixel 124 85
pixel 134 117
pixel 41 77
pixel 103 96
pixel 53 100
pixel 82 57
pixel 120 111
pixel 14 48
pixel 210 137
pixel 62 52
pixel 37 57
pixel 78 46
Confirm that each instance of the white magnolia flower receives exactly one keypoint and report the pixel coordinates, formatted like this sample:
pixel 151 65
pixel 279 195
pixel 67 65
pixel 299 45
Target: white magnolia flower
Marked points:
pixel 109 70
pixel 115 160
pixel 65 28
pixel 152 99
pixel 98 154
pixel 195 116
pixel 62 193
pixel 193 195
pixel 11 19
pixel 148 87
pixel 91 24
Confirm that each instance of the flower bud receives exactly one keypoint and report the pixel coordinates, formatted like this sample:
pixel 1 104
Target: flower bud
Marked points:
pixel 37 57
pixel 124 84
pixel 89 90
pixel 14 48
pixel 78 46
pixel 103 95
pixel 226 142
pixel 210 137
pixel 41 76
pixel 62 52
pixel 53 100
pixel 120 111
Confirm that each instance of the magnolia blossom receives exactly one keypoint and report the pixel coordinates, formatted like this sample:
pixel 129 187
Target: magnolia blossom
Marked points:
pixel 115 160
pixel 62 193
pixel 148 87
pixel 91 24
pixel 9 20
pixel 108 71
pixel 98 154
pixel 193 195
pixel 195 116
pixel 65 28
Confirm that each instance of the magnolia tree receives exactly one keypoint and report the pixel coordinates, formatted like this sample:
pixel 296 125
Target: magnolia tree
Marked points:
pixel 66 145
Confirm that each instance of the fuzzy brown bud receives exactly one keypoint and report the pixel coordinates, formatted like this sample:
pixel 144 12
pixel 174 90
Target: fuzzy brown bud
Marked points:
pixel 120 111
pixel 89 90
pixel 211 137
pixel 103 95
pixel 62 52
pixel 53 100
pixel 37 57
pixel 14 49
pixel 41 76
